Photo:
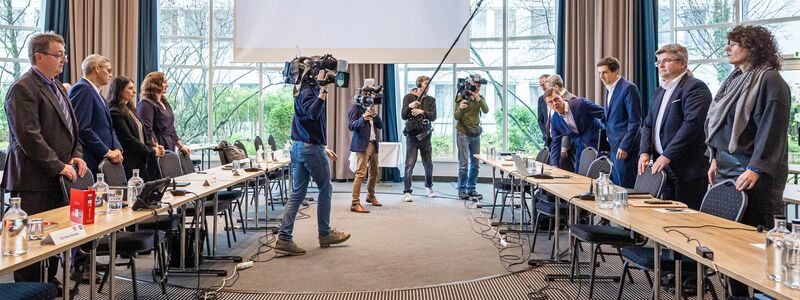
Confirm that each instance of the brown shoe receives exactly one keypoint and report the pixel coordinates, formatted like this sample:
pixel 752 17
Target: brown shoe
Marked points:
pixel 358 208
pixel 374 201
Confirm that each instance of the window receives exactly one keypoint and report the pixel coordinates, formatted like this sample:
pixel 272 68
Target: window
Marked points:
pixel 19 20
pixel 702 26
pixel 219 99
pixel 530 48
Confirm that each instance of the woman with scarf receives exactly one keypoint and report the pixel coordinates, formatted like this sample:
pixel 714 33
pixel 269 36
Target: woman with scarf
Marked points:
pixel 747 127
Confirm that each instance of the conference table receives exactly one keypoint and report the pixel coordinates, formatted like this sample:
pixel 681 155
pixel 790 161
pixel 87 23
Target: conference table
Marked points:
pixel 738 249
pixel 201 186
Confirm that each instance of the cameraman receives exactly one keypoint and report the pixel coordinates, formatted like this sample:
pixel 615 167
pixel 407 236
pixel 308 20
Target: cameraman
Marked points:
pixel 364 122
pixel 468 117
pixel 308 160
pixel 418 111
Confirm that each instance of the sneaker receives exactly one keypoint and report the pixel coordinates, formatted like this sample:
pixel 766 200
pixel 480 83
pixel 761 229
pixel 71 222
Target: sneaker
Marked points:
pixel 463 195
pixel 431 193
pixel 407 197
pixel 333 238
pixel 475 194
pixel 288 248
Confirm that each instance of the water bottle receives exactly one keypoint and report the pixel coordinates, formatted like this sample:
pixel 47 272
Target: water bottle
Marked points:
pixel 260 155
pixel 135 185
pixel 791 257
pixel 604 192
pixel 774 248
pixel 101 189
pixel 15 230
pixel 269 156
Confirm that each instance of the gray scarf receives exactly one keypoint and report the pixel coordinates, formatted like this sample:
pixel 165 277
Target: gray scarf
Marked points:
pixel 739 92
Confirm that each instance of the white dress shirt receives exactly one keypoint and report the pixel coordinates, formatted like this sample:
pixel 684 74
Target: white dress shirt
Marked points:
pixel 669 88
pixel 610 88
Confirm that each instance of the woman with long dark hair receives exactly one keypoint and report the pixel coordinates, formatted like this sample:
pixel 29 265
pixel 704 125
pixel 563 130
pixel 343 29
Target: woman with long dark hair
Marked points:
pixel 129 129
pixel 747 127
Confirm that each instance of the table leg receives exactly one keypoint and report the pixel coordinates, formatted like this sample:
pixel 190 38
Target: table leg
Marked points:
pixel 214 225
pixel 183 240
pixel 112 257
pixel 656 272
pixel 92 270
pixel 65 280
pixel 678 276
pixel 700 288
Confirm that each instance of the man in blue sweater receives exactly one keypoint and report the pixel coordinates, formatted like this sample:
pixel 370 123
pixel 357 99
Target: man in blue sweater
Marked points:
pixel 308 160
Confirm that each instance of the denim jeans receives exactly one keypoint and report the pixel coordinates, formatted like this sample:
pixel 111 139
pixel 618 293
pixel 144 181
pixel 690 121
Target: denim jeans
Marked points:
pixel 467 146
pixel 308 161
pixel 413 145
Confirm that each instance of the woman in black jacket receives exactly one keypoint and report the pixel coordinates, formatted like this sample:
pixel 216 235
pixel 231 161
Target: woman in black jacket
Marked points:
pixel 129 129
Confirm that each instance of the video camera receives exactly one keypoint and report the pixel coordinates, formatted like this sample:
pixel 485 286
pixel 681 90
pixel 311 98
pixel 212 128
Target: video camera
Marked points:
pixel 369 95
pixel 305 70
pixel 469 84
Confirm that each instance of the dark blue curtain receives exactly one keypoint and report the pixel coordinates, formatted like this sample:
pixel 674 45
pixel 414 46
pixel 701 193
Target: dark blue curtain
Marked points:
pixel 645 39
pixel 390 118
pixel 147 50
pixel 561 31
pixel 56 19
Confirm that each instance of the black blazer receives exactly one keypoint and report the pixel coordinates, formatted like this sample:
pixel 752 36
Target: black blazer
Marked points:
pixel 682 130
pixel 40 142
pixel 136 152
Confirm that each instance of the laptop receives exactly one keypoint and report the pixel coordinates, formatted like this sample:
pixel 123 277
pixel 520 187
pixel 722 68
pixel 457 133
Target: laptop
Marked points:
pixel 522 168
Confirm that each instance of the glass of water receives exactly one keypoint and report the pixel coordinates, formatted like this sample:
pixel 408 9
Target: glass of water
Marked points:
pixel 621 197
pixel 115 199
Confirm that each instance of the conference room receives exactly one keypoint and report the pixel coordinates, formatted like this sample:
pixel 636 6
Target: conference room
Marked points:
pixel 459 149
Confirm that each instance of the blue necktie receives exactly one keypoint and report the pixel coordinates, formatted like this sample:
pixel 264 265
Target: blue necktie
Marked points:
pixel 61 101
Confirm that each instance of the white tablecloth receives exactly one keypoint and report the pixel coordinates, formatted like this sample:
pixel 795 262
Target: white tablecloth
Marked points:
pixel 390 155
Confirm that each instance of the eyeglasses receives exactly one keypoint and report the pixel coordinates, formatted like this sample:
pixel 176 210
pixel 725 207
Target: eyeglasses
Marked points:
pixel 59 56
pixel 664 61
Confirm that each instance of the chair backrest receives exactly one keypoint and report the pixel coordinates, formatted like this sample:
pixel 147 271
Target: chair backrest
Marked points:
pixel 271 142
pixel 543 156
pixel 80 183
pixel 722 200
pixel 588 155
pixel 186 164
pixel 239 145
pixel 258 142
pixel 114 173
pixel 601 164
pixel 170 164
pixel 650 183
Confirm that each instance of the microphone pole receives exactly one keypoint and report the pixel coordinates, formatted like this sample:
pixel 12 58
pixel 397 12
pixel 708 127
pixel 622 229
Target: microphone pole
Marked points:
pixel 474 12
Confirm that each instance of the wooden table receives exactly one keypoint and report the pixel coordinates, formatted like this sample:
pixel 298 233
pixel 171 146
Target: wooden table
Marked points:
pixel 734 252
pixel 109 224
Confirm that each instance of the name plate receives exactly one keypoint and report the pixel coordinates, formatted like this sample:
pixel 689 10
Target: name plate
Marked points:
pixel 210 181
pixel 62 236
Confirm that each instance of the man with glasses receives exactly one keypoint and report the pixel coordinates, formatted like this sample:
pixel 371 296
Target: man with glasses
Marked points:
pixel 43 137
pixel 672 134
pixel 96 132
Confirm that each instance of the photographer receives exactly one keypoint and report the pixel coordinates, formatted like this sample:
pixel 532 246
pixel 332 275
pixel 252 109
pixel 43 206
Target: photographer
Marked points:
pixel 418 111
pixel 308 156
pixel 469 106
pixel 365 124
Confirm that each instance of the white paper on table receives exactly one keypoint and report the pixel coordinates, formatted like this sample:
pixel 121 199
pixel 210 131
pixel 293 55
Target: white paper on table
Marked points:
pixel 760 246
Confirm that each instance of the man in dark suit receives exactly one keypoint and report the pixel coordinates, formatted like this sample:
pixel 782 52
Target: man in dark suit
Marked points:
pixel 96 131
pixel 543 112
pixel 366 124
pixel 577 119
pixel 673 132
pixel 43 137
pixel 555 81
pixel 623 118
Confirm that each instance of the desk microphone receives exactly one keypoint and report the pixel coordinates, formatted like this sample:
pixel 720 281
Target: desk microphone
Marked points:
pixel 590 194
pixel 542 175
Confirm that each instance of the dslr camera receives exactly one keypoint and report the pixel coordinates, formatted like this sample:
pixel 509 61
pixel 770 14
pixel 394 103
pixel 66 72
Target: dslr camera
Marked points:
pixel 368 95
pixel 469 84
pixel 305 70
